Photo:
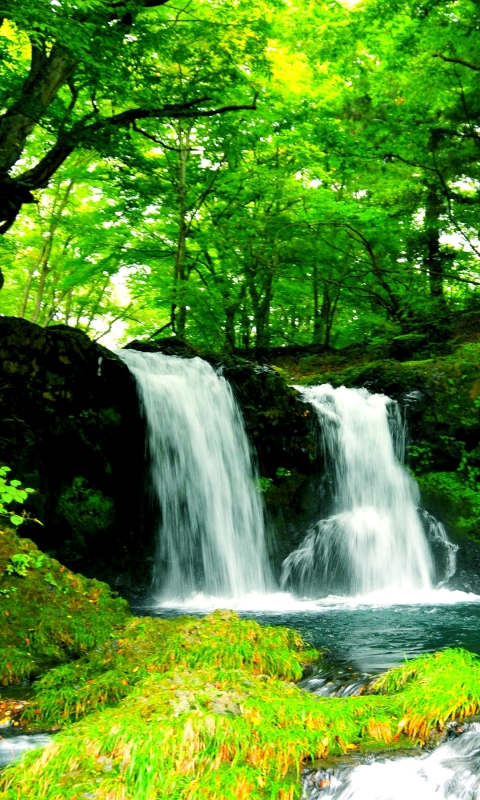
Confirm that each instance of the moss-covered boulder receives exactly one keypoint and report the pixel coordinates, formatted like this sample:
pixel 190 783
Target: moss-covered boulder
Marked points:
pixel 217 715
pixel 48 613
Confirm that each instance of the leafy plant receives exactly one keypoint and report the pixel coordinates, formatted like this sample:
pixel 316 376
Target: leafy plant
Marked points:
pixel 20 563
pixel 11 492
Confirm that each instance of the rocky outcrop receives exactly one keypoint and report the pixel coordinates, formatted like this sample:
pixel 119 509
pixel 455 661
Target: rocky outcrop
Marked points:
pixel 70 429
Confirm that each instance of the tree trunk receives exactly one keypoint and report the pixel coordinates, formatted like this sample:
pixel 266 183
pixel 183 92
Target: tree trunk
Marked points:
pixel 180 268
pixel 28 285
pixel 43 277
pixel 317 328
pixel 433 260
pixel 47 75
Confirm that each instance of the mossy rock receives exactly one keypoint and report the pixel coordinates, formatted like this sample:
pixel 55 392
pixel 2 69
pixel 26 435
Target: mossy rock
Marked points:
pixel 48 614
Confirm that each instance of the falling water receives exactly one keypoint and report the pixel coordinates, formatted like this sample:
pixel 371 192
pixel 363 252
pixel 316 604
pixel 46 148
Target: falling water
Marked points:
pixel 450 772
pixel 211 537
pixel 374 540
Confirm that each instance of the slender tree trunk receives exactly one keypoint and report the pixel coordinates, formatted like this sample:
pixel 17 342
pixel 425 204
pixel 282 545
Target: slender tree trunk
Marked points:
pixel 28 285
pixel 324 318
pixel 317 320
pixel 245 328
pixel 231 310
pixel 180 268
pixel 68 305
pixel 332 307
pixel 433 260
pixel 43 277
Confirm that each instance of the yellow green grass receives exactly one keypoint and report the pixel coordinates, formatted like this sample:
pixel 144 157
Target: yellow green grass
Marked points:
pixel 212 712
pixel 148 646
pixel 187 708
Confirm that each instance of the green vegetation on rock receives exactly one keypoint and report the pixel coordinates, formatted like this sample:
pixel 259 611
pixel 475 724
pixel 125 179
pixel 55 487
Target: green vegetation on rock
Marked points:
pixel 216 716
pixel 48 613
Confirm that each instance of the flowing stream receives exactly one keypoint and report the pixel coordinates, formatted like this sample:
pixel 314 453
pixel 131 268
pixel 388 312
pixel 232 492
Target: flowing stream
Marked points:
pixel 211 537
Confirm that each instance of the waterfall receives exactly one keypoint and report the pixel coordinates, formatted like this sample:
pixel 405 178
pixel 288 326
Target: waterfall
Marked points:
pixel 211 536
pixel 374 539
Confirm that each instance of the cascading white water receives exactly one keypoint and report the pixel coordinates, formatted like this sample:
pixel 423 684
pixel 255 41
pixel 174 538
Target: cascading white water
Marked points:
pixel 450 772
pixel 211 537
pixel 374 541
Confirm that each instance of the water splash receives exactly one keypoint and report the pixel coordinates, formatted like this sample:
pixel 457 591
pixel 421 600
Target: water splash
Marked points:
pixel 211 537
pixel 374 540
pixel 450 772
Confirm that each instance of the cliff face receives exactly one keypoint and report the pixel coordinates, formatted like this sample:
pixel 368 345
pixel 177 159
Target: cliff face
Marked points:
pixel 70 429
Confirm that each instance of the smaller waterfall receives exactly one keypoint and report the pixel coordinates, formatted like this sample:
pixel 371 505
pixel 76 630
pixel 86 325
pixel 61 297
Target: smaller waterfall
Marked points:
pixel 211 537
pixel 374 540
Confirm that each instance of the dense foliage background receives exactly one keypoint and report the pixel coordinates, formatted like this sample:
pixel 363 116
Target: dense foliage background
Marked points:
pixel 245 175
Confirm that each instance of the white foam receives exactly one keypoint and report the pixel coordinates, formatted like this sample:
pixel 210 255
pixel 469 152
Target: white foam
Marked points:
pixel 284 602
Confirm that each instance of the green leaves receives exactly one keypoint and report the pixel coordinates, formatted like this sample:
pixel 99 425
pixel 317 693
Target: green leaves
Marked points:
pixel 10 492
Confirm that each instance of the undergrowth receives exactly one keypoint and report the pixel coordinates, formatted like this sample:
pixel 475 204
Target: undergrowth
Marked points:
pixel 209 711
pixel 48 613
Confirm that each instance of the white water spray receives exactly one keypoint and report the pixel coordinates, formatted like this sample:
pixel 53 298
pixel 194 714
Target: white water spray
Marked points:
pixel 374 541
pixel 450 772
pixel 211 537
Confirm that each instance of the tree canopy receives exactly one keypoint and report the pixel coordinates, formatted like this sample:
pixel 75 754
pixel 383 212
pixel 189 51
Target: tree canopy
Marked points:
pixel 243 175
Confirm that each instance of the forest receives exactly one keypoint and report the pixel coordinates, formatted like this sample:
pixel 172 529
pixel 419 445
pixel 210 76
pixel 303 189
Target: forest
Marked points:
pixel 245 175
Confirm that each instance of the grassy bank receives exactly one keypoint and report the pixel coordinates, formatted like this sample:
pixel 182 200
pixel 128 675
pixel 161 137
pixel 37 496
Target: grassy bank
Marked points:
pixel 187 708
pixel 208 709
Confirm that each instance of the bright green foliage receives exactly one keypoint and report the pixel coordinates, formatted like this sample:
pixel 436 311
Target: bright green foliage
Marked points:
pixel 47 613
pixel 211 730
pixel 148 645
pixel 11 492
pixel 343 210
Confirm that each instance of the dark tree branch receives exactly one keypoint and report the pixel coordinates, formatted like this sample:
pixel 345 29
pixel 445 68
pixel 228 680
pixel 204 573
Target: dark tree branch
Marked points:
pixel 460 61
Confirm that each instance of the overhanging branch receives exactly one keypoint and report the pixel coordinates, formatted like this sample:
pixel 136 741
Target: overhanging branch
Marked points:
pixel 460 61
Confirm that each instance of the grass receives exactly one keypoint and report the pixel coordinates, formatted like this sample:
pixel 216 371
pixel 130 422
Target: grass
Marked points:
pixel 208 710
pixel 147 646
pixel 47 613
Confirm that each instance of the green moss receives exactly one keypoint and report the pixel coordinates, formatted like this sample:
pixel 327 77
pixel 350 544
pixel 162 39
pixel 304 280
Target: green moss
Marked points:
pixel 218 732
pixel 457 499
pixel 146 646
pixel 48 613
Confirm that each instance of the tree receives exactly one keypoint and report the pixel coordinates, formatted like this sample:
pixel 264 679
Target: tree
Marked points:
pixel 96 68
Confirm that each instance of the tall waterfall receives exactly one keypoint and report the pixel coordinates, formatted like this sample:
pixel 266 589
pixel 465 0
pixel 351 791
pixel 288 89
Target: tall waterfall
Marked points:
pixel 374 539
pixel 211 536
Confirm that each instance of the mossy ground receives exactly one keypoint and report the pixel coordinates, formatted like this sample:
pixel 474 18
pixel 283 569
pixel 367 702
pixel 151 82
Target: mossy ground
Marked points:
pixel 208 709
pixel 47 613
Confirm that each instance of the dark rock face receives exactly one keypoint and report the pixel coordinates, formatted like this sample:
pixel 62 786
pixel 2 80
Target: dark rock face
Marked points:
pixel 70 428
